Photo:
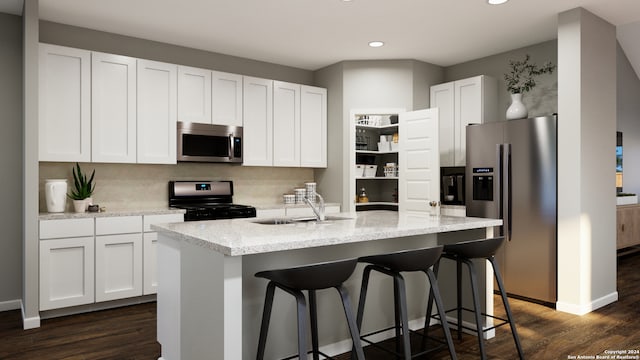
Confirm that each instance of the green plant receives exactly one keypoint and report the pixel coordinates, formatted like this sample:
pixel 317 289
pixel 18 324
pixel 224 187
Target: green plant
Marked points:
pixel 83 187
pixel 520 77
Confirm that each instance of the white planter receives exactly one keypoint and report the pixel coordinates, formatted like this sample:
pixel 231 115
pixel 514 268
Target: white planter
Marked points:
pixel 55 195
pixel 80 206
pixel 626 200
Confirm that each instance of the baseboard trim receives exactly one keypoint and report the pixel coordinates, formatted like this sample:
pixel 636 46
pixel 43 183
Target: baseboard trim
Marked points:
pixel 582 309
pixel 10 305
pixel 29 323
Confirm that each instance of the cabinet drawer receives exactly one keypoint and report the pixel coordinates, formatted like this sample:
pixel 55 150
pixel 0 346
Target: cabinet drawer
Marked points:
pixel 66 228
pixel 161 219
pixel 118 225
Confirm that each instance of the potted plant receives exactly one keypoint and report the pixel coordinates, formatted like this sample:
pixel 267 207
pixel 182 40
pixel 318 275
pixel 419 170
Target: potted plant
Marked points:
pixel 83 189
pixel 520 79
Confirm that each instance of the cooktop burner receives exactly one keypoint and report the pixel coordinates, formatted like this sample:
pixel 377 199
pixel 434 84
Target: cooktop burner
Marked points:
pixel 207 200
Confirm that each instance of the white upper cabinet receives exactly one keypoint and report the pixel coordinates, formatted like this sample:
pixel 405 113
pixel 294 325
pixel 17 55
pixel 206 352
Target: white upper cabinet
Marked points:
pixel 157 99
pixel 113 108
pixel 64 104
pixel 258 121
pixel 226 99
pixel 460 103
pixel 313 127
pixel 194 95
pixel 286 124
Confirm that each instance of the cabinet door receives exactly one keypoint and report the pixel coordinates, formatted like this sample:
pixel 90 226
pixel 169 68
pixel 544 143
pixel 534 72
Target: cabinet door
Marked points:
pixel 194 95
pixel 113 108
pixel 118 266
pixel 442 97
pixel 286 124
pixel 313 127
pixel 628 226
pixel 157 101
pixel 258 122
pixel 64 103
pixel 468 110
pixel 150 263
pixel 226 99
pixel 419 172
pixel 66 272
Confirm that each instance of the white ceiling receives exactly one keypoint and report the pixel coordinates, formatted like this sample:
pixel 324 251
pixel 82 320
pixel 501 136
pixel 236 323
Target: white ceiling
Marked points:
pixel 311 34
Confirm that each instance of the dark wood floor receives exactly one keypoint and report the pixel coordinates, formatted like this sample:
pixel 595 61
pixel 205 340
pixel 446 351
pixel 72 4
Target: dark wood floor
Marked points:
pixel 130 332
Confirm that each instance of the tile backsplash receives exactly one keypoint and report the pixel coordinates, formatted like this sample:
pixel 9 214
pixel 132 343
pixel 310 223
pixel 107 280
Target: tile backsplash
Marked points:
pixel 141 186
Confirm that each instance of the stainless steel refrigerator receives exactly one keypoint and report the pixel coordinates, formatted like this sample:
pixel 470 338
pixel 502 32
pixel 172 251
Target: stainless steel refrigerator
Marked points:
pixel 511 174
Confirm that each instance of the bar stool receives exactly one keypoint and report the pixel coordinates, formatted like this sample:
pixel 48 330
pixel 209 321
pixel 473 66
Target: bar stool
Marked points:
pixel 311 278
pixel 464 252
pixel 393 264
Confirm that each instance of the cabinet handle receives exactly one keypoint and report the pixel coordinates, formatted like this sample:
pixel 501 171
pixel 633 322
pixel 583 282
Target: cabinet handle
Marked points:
pixel 622 227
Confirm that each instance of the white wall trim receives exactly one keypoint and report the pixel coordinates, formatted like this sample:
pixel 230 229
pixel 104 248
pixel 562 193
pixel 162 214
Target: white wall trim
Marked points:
pixel 578 309
pixel 10 305
pixel 29 323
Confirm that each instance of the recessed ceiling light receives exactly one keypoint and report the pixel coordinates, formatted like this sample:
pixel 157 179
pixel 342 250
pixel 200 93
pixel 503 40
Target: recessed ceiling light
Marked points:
pixel 496 2
pixel 376 44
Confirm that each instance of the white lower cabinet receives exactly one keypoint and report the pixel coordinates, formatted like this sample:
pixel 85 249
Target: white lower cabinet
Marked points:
pixel 150 263
pixel 118 266
pixel 66 272
pixel 89 260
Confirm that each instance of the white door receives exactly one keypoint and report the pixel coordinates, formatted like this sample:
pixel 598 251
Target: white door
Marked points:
pixel 157 101
pixel 442 97
pixel 66 272
pixel 313 127
pixel 418 161
pixel 286 124
pixel 468 103
pixel 226 98
pixel 118 266
pixel 258 122
pixel 64 104
pixel 194 95
pixel 113 108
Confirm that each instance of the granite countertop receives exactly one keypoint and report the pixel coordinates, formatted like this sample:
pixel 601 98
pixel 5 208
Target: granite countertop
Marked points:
pixel 109 213
pixel 246 236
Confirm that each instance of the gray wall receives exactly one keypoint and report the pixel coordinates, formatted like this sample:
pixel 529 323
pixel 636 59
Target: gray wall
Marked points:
pixel 72 36
pixel 541 100
pixel 11 155
pixel 628 97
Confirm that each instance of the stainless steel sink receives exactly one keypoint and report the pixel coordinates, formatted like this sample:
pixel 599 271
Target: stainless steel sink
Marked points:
pixel 285 221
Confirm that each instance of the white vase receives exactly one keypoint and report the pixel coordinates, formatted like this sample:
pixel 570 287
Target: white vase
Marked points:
pixel 517 109
pixel 55 191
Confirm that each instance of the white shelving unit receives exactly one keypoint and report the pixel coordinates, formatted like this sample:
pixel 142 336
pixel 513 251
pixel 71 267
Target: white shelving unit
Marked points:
pixel 381 190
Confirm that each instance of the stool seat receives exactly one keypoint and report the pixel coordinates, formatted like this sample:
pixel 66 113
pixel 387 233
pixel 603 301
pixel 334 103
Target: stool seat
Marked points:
pixel 312 277
pixel 392 264
pixel 406 260
pixel 475 249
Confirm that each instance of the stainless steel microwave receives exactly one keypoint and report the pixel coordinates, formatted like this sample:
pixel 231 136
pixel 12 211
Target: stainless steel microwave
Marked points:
pixel 209 143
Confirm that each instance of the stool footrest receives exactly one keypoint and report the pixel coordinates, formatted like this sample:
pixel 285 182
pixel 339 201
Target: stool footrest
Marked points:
pixel 503 320
pixel 309 352
pixel 378 346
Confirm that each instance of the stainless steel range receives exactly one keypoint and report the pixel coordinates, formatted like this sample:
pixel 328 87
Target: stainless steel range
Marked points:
pixel 207 200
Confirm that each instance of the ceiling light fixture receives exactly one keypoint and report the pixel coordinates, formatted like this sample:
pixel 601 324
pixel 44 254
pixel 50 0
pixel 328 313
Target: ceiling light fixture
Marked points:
pixel 496 2
pixel 375 44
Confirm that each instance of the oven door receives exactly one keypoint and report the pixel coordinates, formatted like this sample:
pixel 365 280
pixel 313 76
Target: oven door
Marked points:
pixel 209 143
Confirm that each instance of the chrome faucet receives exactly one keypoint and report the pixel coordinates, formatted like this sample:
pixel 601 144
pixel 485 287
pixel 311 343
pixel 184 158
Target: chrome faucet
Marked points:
pixel 318 210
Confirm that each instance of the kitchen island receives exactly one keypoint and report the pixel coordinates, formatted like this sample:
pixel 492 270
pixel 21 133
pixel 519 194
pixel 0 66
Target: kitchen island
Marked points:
pixel 210 304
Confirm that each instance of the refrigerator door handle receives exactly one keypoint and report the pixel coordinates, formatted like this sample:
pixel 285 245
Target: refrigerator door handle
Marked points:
pixel 506 190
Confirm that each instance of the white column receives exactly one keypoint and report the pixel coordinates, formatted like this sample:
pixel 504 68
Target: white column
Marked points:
pixel 586 179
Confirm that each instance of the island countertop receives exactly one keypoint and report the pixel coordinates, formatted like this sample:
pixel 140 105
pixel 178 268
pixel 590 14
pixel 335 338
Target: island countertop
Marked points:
pixel 246 236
